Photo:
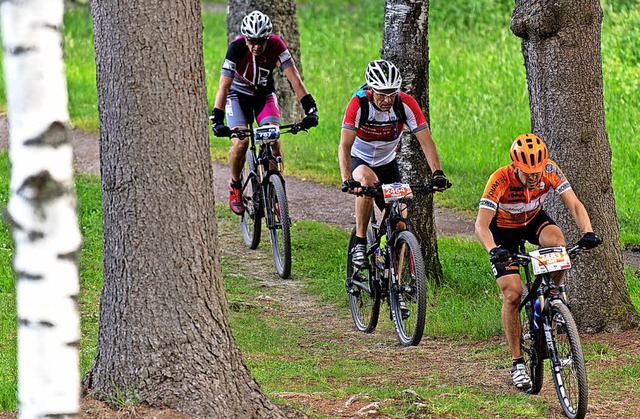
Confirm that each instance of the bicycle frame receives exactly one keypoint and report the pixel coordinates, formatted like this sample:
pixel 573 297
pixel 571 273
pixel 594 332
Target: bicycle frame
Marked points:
pixel 394 271
pixel 264 193
pixel 556 328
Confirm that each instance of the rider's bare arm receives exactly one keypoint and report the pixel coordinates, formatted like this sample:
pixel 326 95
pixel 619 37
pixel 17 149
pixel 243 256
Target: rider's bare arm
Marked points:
pixel 577 210
pixel 485 215
pixel 293 75
pixel 223 90
pixel 429 149
pixel 347 137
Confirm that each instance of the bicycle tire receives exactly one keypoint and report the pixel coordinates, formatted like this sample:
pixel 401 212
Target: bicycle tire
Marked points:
pixel 279 225
pixel 530 345
pixel 364 292
pixel 408 283
pixel 251 220
pixel 567 362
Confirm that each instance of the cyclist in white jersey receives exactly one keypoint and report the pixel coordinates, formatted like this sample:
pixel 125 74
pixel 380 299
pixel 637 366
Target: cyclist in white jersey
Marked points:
pixel 367 150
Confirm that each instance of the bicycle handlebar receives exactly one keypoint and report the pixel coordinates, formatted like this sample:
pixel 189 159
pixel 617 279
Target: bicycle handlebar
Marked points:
pixel 284 129
pixel 376 190
pixel 522 258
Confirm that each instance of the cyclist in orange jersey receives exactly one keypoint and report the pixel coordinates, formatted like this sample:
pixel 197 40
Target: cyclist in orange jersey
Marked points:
pixel 511 209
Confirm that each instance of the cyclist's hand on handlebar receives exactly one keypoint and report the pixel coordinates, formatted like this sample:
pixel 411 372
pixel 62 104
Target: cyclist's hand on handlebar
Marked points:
pixel 310 121
pixel 589 241
pixel 217 123
pixel 439 181
pixel 311 111
pixel 498 254
pixel 221 130
pixel 351 186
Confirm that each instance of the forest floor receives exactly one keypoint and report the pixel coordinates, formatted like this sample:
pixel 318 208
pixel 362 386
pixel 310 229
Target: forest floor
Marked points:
pixel 452 360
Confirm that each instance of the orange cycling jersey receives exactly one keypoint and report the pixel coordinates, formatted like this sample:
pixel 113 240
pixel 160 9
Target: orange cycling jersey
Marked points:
pixel 515 205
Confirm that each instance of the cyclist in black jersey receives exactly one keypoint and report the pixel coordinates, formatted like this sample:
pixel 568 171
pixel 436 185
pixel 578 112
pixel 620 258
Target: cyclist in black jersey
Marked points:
pixel 246 91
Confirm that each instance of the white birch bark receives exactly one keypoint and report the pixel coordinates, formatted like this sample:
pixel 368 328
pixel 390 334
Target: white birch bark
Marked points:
pixel 42 209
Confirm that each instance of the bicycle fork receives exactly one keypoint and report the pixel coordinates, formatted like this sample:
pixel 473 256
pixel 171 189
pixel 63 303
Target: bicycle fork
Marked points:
pixel 557 364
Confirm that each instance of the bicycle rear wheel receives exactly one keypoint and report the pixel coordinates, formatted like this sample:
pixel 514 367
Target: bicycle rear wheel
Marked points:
pixel 363 290
pixel 251 220
pixel 279 225
pixel 408 289
pixel 529 345
pixel 567 361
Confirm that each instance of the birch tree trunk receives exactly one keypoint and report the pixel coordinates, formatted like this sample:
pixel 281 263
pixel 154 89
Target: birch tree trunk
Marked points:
pixel 42 209
pixel 285 24
pixel 405 43
pixel 561 48
pixel 164 333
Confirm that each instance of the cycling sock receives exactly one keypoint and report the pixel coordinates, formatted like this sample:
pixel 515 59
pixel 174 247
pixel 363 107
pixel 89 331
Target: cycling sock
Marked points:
pixel 361 240
pixel 516 361
pixel 236 184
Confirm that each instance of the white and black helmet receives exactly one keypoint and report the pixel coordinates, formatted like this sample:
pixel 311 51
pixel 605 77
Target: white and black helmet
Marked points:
pixel 383 75
pixel 256 25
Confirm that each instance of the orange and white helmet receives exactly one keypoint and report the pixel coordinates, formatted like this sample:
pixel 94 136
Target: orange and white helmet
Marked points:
pixel 256 25
pixel 529 153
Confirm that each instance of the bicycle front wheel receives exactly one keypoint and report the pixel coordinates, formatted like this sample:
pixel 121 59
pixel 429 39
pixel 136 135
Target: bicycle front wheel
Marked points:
pixel 567 361
pixel 530 344
pixel 408 289
pixel 363 291
pixel 251 220
pixel 279 224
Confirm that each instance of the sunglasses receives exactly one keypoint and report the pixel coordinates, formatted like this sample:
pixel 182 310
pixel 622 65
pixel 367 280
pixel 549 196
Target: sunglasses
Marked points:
pixel 257 41
pixel 387 94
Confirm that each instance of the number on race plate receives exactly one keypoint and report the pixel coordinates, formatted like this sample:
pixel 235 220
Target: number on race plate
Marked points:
pixel 267 134
pixel 550 260
pixel 395 191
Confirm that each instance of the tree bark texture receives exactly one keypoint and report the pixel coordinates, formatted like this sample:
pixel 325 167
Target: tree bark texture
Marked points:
pixel 405 43
pixel 285 24
pixel 164 332
pixel 562 56
pixel 42 210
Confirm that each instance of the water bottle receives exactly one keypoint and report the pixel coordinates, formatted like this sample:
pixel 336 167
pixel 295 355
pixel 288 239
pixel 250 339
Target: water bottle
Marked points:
pixel 536 314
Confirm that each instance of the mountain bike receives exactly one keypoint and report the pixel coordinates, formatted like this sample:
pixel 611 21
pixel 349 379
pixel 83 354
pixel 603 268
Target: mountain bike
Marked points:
pixel 395 269
pixel 549 330
pixel 264 194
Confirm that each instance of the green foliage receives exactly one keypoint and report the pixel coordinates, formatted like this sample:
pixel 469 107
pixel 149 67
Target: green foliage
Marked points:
pixel 81 68
pixel 478 103
pixel 8 324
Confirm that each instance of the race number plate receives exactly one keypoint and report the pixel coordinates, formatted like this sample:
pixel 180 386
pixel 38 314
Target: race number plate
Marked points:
pixel 549 260
pixel 395 191
pixel 267 134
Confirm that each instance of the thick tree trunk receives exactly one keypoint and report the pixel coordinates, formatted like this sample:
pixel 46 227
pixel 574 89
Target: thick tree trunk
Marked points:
pixel 405 43
pixel 42 209
pixel 164 332
pixel 285 24
pixel 561 48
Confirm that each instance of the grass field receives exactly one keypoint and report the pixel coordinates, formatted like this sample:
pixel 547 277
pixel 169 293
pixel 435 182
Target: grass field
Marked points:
pixel 474 116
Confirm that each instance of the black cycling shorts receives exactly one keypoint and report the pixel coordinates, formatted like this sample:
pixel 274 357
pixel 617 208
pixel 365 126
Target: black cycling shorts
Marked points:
pixel 510 238
pixel 387 173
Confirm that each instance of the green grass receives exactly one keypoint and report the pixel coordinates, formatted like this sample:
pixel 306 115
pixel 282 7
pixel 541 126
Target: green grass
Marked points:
pixel 8 324
pixel 285 354
pixel 478 104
